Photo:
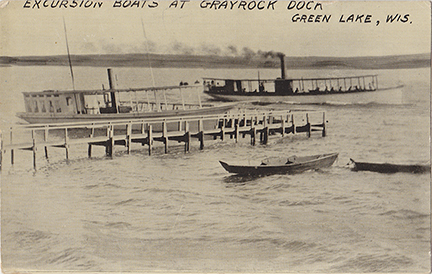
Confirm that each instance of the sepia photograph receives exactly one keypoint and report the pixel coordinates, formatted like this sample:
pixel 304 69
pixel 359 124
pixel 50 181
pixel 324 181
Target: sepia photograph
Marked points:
pixel 202 136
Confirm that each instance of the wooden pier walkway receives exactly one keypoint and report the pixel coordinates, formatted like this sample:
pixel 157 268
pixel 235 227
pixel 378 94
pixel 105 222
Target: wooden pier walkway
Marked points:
pixel 147 131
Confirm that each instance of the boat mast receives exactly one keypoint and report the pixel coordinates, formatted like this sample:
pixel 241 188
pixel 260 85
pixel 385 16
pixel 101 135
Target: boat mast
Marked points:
pixel 149 62
pixel 68 53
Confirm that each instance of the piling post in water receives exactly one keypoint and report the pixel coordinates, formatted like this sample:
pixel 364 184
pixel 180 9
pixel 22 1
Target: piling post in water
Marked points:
pixel 150 139
pixel 265 132
pixel 253 135
pixel 89 150
pixel 308 125
pixel 283 125
pixel 46 140
pixel 222 132
pixel 128 137
pixel 66 145
pixel 11 151
pixel 324 126
pixel 293 124
pixel 165 135
pixel 201 133
pixel 187 136
pixel 236 126
pixel 34 149
pixel 110 141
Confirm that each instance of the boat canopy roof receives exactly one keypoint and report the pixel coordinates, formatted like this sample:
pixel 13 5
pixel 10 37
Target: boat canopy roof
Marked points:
pixel 289 79
pixel 105 91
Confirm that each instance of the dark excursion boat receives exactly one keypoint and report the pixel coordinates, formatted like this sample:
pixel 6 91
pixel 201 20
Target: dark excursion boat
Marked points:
pixel 389 168
pixel 350 89
pixel 53 106
pixel 280 165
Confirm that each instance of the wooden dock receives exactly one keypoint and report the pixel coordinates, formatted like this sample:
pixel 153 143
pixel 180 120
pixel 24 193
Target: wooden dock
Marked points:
pixel 256 124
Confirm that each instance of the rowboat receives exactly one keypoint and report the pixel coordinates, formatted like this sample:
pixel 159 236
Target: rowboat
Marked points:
pixel 356 89
pixel 53 106
pixel 389 168
pixel 281 165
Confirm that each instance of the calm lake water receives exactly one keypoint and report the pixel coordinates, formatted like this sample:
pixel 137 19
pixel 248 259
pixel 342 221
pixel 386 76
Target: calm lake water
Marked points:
pixel 183 212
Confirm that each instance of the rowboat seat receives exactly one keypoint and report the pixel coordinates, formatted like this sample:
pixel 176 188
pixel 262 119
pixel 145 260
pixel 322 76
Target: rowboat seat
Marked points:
pixel 278 161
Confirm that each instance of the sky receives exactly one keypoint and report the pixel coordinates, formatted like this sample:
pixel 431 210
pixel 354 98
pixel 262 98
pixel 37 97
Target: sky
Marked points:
pixel 27 30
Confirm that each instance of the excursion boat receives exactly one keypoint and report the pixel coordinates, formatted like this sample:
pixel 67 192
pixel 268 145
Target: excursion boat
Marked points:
pixel 389 168
pixel 52 106
pixel 281 165
pixel 352 89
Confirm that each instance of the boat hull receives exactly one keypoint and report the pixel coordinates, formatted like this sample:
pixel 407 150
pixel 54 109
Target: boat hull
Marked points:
pixel 313 162
pixel 50 118
pixel 381 96
pixel 390 168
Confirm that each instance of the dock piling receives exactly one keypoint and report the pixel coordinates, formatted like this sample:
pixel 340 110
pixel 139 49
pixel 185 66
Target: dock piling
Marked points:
pixel 236 126
pixel 34 149
pixel 222 131
pixel 46 140
pixel 165 135
pixel 110 142
pixel 128 137
pixel 253 135
pixel 283 125
pixel 12 151
pixel 324 126
pixel 150 139
pixel 201 133
pixel 66 145
pixel 187 136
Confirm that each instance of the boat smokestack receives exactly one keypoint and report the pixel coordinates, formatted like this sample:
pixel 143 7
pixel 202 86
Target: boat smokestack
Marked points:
pixel 110 79
pixel 111 87
pixel 282 59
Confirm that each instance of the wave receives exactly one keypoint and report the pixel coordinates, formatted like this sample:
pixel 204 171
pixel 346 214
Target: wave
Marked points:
pixel 405 214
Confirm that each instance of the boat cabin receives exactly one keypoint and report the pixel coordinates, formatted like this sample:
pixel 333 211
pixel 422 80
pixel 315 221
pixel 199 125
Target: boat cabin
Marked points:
pixel 282 86
pixel 241 86
pixel 71 102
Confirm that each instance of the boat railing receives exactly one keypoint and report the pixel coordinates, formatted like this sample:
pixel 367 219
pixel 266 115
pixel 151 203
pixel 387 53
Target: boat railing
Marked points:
pixel 143 106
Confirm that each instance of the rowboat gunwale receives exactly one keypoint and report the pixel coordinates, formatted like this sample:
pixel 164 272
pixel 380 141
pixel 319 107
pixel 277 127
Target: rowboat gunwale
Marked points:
pixel 325 159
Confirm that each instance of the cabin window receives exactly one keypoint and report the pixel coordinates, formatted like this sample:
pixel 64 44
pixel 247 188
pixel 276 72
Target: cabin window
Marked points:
pixel 56 95
pixel 26 95
pixel 36 109
pixel 68 101
pixel 43 109
pixel 51 106
pixel 57 105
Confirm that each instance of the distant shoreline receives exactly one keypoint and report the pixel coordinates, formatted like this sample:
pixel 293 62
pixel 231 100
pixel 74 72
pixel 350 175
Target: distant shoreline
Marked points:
pixel 213 61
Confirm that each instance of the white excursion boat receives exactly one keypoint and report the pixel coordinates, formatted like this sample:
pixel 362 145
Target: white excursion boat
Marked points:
pixel 52 106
